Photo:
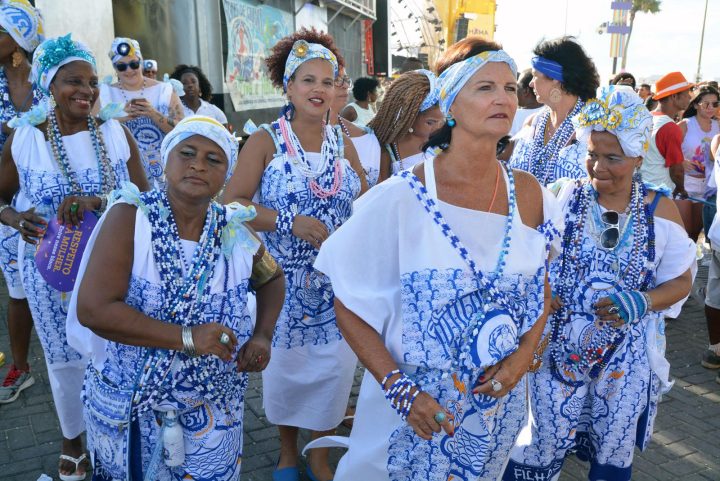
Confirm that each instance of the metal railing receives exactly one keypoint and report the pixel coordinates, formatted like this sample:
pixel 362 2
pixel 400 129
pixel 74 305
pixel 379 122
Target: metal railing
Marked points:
pixel 363 7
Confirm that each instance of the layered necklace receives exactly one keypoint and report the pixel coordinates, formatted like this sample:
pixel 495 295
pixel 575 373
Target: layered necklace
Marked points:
pixel 124 92
pixel 184 294
pixel 105 170
pixel 570 366
pixel 487 284
pixel 542 157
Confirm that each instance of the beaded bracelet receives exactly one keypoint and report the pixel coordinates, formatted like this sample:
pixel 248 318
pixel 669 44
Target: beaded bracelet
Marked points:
pixel 284 222
pixel 401 393
pixel 632 305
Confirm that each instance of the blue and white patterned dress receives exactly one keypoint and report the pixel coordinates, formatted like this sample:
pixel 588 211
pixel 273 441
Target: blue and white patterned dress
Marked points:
pixel 604 419
pixel 212 421
pixel 42 181
pixel 393 267
pixel 308 380
pixel 147 134
pixel 562 156
pixel 8 236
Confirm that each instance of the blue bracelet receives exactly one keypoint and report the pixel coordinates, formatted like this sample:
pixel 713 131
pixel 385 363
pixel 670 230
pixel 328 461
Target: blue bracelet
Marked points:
pixel 632 305
pixel 284 222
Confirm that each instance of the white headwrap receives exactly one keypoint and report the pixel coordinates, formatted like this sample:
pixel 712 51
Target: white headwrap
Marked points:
pixel 124 47
pixel 620 111
pixel 207 127
pixel 22 22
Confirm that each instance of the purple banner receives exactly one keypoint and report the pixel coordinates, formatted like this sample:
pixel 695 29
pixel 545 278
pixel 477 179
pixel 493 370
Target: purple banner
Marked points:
pixel 621 5
pixel 60 250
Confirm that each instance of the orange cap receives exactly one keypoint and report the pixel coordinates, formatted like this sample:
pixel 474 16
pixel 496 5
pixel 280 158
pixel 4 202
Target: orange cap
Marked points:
pixel 669 84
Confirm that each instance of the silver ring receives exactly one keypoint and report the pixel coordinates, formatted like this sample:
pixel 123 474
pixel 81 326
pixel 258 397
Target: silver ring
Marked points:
pixel 614 310
pixel 224 339
pixel 22 224
pixel 496 385
pixel 440 417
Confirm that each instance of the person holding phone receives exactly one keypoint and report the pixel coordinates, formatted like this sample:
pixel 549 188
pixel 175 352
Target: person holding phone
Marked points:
pixel 153 108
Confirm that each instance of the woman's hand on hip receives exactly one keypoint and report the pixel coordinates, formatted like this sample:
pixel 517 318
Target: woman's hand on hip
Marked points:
pixel 254 355
pixel 310 229
pixel 422 417
pixel 73 208
pixel 207 340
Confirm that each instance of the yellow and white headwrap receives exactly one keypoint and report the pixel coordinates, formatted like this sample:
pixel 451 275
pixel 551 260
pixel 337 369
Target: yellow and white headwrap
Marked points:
pixel 620 111
pixel 456 76
pixel 207 127
pixel 23 22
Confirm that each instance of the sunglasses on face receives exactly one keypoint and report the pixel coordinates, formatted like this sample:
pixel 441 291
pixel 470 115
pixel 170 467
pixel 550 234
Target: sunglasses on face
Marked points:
pixel 343 81
pixel 709 105
pixel 121 66
pixel 611 235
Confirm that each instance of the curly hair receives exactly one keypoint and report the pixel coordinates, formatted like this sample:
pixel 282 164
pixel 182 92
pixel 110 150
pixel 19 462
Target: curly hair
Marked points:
pixel 276 60
pixel 462 50
pixel 205 85
pixel 579 72
pixel 691 111
pixel 363 86
pixel 400 106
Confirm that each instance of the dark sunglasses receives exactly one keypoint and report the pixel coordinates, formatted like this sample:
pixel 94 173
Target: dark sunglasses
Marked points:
pixel 343 81
pixel 610 237
pixel 121 66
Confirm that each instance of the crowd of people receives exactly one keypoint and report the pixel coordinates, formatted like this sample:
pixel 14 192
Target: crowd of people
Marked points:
pixel 487 284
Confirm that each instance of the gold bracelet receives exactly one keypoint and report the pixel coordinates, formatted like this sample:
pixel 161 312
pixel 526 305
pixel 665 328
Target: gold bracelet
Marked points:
pixel 263 271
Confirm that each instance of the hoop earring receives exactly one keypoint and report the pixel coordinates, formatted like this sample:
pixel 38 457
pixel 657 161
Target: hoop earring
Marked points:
pixel 555 96
pixel 450 120
pixel 17 58
pixel 288 111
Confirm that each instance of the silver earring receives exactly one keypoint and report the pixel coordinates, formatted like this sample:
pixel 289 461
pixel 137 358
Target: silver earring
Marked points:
pixel 410 130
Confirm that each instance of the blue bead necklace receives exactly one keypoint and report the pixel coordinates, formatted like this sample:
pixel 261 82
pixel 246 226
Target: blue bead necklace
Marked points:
pixel 542 157
pixel 488 285
pixel 591 362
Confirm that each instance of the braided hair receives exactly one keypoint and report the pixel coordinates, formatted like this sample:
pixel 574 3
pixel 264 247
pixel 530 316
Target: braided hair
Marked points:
pixel 400 107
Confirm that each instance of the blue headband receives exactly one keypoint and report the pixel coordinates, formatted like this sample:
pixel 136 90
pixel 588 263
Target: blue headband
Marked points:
pixel 433 96
pixel 454 78
pixel 550 68
pixel 303 51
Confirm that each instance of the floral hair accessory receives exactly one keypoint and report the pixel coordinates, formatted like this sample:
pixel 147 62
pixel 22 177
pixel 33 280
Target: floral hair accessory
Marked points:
pixel 303 51
pixel 54 53
pixel 124 47
pixel 433 96
pixel 620 111
pixel 454 78
pixel 22 22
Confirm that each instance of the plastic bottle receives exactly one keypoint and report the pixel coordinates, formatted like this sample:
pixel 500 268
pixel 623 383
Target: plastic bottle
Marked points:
pixel 173 441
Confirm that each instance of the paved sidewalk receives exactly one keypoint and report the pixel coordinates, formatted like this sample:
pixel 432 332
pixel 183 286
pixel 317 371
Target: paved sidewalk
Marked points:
pixel 685 445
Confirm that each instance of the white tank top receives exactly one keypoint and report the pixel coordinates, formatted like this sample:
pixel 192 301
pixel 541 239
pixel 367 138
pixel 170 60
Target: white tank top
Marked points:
pixel 696 148
pixel 653 166
pixel 364 116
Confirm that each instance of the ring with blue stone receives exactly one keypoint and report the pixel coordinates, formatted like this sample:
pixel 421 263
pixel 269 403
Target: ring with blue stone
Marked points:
pixel 440 417
pixel 224 338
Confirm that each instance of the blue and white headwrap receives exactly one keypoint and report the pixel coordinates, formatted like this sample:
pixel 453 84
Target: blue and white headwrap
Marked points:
pixel 433 96
pixel 549 68
pixel 303 51
pixel 207 127
pixel 52 54
pixel 454 78
pixel 620 111
pixel 150 64
pixel 22 22
pixel 124 47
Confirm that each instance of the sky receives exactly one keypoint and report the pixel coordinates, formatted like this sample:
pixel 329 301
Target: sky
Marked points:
pixel 664 42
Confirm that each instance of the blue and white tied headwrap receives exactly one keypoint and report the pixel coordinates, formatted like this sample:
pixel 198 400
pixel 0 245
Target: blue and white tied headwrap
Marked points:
pixel 124 47
pixel 549 68
pixel 150 64
pixel 207 127
pixel 433 95
pixel 454 78
pixel 54 53
pixel 22 22
pixel 620 111
pixel 303 51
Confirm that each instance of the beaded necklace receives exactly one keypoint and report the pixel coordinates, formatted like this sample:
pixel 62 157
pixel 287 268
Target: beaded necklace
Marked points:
pixel 542 157
pixel 395 155
pixel 7 107
pixel 105 171
pixel 184 294
pixel 343 126
pixel 638 276
pixel 487 284
pixel 124 92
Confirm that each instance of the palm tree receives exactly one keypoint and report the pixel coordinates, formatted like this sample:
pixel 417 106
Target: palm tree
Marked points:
pixel 642 6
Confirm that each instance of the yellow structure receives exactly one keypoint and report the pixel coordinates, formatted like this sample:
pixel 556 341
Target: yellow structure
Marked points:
pixel 461 18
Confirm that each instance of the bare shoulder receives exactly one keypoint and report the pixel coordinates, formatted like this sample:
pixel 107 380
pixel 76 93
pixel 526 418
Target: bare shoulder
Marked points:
pixel 666 209
pixel 529 197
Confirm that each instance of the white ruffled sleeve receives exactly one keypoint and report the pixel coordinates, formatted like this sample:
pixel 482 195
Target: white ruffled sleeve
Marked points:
pixel 361 257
